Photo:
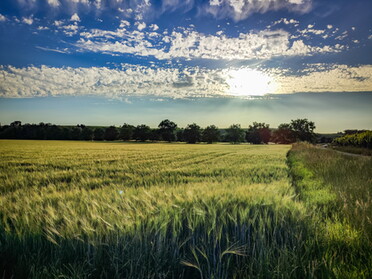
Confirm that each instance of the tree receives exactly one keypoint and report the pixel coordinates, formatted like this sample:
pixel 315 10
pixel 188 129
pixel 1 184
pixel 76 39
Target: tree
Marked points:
pixel 179 135
pixel 111 133
pixel 303 130
pixel 75 133
pixel 99 134
pixel 16 124
pixel 141 132
pixel 192 133
pixel 126 132
pixel 211 134
pixel 235 134
pixel 154 135
pixel 87 133
pixel 258 133
pixel 167 130
pixel 283 134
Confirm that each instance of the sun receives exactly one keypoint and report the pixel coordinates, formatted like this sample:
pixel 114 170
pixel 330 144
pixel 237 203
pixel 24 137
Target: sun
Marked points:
pixel 249 82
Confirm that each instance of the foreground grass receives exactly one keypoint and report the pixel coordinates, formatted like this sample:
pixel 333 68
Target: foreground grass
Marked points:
pixel 114 210
pixel 337 189
pixel 354 150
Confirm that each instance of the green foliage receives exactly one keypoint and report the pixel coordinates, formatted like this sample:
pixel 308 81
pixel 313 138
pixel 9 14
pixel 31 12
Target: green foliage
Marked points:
pixel 211 134
pixel 167 130
pixel 258 133
pixel 303 130
pixel 363 139
pixel 235 134
pixel 126 132
pixel 87 133
pixel 99 134
pixel 283 134
pixel 111 133
pixel 192 133
pixel 337 189
pixel 142 132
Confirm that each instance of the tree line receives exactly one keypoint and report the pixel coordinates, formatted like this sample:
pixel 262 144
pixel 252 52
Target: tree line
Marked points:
pixel 257 133
pixel 355 138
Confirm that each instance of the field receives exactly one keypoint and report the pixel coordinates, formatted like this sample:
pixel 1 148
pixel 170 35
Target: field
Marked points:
pixel 132 210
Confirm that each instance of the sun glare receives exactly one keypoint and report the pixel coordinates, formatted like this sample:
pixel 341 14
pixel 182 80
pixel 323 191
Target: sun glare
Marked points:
pixel 249 82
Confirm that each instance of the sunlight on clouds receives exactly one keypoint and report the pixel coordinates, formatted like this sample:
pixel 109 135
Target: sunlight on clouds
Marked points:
pixel 249 82
pixel 189 82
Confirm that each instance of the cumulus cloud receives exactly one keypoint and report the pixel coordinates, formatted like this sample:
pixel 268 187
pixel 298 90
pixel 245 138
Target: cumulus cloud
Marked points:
pixel 2 18
pixel 241 9
pixel 75 17
pixel 129 81
pixel 329 78
pixel 284 21
pixel 141 9
pixel 28 20
pixel 53 3
pixel 190 44
pixel 140 25
pixel 135 80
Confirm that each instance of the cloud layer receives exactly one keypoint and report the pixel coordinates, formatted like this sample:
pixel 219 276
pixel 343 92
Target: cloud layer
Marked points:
pixel 234 9
pixel 191 82
pixel 241 9
pixel 188 43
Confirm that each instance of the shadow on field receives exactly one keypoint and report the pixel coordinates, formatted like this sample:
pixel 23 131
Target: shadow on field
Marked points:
pixel 210 239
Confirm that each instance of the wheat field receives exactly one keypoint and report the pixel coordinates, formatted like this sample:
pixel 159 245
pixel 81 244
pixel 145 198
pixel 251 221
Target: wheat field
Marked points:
pixel 139 210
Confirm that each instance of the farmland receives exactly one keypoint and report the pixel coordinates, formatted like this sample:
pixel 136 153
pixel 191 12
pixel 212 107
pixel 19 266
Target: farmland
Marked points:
pixel 138 210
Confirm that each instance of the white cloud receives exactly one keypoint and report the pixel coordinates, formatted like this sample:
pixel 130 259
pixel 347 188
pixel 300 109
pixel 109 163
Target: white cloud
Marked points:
pixel 28 20
pixel 241 9
pixel 75 17
pixel 140 25
pixel 42 28
pixel 58 22
pixel 128 81
pixel 134 80
pixel 70 30
pixel 285 21
pixel 54 3
pixel 142 9
pixel 51 49
pixel 124 23
pixel 154 27
pixel 190 44
pixel 329 78
pixel 2 18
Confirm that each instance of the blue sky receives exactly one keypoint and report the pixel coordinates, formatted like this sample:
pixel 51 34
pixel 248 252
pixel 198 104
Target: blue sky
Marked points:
pixel 210 62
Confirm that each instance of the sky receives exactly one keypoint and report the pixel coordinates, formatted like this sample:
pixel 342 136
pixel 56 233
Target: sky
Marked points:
pixel 109 62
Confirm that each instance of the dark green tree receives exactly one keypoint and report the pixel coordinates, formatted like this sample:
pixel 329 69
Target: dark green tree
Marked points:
pixel 235 134
pixel 211 134
pixel 155 135
pixel 283 135
pixel 192 133
pixel 303 130
pixel 141 132
pixel 179 134
pixel 87 133
pixel 99 134
pixel 126 132
pixel 167 130
pixel 75 132
pixel 258 133
pixel 111 133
